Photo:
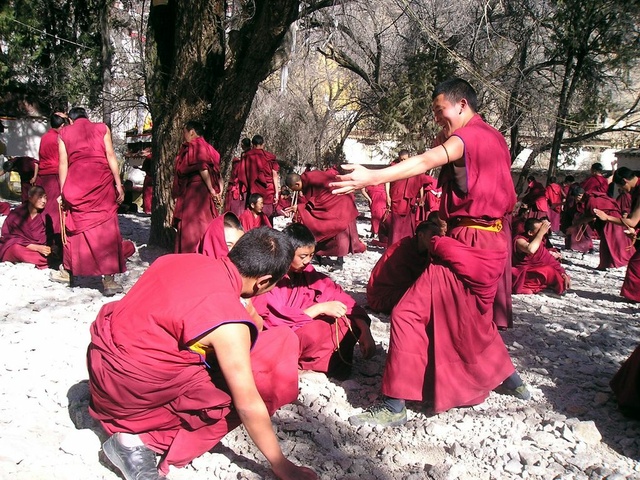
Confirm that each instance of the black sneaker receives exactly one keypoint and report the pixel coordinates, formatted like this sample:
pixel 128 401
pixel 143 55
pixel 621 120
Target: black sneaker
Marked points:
pixel 136 463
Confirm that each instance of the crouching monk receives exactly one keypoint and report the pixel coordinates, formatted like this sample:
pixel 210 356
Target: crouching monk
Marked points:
pixel 174 375
pixel 444 346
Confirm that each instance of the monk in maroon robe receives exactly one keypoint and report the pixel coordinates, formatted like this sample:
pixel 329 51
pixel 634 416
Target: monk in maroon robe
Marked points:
pixel 24 238
pixel 535 198
pixel 624 202
pixel 595 182
pixel 236 198
pixel 5 208
pixel 628 181
pixel 197 186
pixel 91 192
pixel 534 267
pixel 221 235
pixel 378 202
pixel 48 169
pixel 327 320
pixel 553 194
pixel 400 266
pixel 579 234
pixel 444 345
pixel 404 198
pixel 477 190
pixel 283 207
pixel 261 174
pixel 626 385
pixel 148 184
pixel 331 218
pixel 253 216
pixel 432 195
pixel 178 362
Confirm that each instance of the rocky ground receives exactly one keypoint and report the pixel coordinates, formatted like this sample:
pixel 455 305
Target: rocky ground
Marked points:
pixel 566 348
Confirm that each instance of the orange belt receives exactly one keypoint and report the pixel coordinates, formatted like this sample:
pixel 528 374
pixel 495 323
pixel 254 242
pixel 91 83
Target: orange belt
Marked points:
pixel 492 226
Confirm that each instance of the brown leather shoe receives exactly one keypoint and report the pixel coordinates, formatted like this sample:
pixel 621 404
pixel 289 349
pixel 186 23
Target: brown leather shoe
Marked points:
pixel 110 286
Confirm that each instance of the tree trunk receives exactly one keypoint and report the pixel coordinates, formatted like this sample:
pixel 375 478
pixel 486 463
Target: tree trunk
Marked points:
pixel 107 60
pixel 194 74
pixel 526 169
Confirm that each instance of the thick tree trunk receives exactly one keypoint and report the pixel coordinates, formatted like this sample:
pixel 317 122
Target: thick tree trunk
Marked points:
pixel 194 74
pixel 107 60
pixel 526 169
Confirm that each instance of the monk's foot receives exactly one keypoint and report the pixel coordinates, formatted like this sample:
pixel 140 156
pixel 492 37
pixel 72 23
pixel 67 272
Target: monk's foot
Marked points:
pixel 521 392
pixel 61 276
pixel 381 415
pixel 135 463
pixel 110 286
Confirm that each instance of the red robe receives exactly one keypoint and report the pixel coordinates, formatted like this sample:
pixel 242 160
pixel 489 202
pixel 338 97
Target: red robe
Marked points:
pixel 398 269
pixel 378 195
pixel 595 184
pixel 581 238
pixel 490 195
pixel 213 242
pixel 432 196
pixel 94 244
pixel 624 202
pixel 536 199
pixel 257 174
pixel 195 209
pixel 320 350
pixel 235 199
pixel 148 184
pixel 536 272
pixel 403 195
pixel 144 377
pixel 250 221
pixel 443 342
pixel 331 218
pixel 282 205
pixel 626 385
pixel 18 231
pixel 5 208
pixel 48 177
pixel 553 193
pixel 631 284
pixel 615 247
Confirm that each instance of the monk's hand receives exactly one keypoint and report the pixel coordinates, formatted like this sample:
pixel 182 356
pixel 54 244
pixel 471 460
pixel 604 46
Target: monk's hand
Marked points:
pixel 359 178
pixel 600 214
pixel 44 250
pixel 546 225
pixel 367 344
pixel 333 309
pixel 120 194
pixel 567 281
pixel 287 470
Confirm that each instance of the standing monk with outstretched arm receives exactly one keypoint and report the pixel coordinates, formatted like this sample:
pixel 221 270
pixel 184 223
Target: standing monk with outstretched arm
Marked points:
pixel 477 189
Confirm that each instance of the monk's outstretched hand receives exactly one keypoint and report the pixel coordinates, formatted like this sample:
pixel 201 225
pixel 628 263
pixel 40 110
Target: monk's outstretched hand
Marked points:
pixel 359 177
pixel 290 471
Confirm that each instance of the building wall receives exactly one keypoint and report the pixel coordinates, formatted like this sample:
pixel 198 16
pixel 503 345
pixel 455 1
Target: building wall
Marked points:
pixel 22 135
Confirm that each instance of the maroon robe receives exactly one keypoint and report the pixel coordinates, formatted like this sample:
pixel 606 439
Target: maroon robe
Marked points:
pixel 626 385
pixel 213 242
pixel 615 247
pixel 580 240
pixel 403 195
pixel 20 230
pixel 48 177
pixel 553 193
pixel 195 208
pixel 250 221
pixel 282 205
pixel 397 269
pixel 331 218
pixel 490 197
pixel 624 202
pixel 443 342
pixel 235 199
pixel 536 199
pixel 257 174
pixel 147 185
pixel 536 272
pixel 595 184
pixel 326 344
pixel 378 195
pixel 94 244
pixel 5 208
pixel 631 285
pixel 432 196
pixel 144 377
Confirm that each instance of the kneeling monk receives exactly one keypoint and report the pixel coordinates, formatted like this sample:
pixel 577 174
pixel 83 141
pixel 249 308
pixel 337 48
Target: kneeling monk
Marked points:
pixel 176 374
pixel 327 320
pixel 444 345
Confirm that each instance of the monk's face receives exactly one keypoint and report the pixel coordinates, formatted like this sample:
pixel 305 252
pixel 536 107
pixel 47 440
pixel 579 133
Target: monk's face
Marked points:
pixel 448 115
pixel 302 258
pixel 231 236
pixel 403 157
pixel 38 201
pixel 626 186
pixel 189 134
pixel 258 206
pixel 295 187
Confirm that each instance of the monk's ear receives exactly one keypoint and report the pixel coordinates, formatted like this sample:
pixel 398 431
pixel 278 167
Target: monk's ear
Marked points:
pixel 263 284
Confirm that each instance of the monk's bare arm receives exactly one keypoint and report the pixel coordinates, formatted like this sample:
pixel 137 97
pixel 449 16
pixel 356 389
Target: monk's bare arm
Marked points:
pixel 276 184
pixel 630 220
pixel 63 165
pixel 231 343
pixel 35 174
pixel 365 195
pixel 113 165
pixel 333 308
pixel 452 151
pixel 532 247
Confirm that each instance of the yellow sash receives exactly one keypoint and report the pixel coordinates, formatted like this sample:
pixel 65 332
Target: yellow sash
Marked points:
pixel 493 226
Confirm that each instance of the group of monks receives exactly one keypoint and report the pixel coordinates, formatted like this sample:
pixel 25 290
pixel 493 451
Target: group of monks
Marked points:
pixel 215 335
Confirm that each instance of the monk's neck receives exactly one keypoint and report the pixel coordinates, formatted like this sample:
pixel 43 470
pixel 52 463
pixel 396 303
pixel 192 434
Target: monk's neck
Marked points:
pixel 33 211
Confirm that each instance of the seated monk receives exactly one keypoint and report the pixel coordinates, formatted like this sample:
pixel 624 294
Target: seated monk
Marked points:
pixel 253 216
pixel 283 207
pixel 400 266
pixel 24 237
pixel 444 345
pixel 534 267
pixel 221 235
pixel 327 320
pixel 173 375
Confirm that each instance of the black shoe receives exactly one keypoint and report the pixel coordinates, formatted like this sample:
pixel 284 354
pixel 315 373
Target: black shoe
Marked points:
pixel 136 463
